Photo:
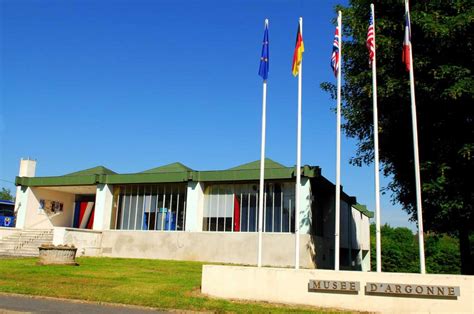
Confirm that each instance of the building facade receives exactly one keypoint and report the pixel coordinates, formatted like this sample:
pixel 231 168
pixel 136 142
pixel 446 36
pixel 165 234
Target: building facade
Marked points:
pixel 174 212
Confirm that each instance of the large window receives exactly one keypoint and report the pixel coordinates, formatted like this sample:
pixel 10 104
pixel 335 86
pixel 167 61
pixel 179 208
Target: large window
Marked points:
pixel 234 207
pixel 150 207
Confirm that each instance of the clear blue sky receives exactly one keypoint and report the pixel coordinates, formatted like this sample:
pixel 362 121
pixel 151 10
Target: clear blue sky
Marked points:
pixel 132 85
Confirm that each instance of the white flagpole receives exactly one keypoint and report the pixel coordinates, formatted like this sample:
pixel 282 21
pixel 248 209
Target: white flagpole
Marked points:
pixel 378 242
pixel 419 208
pixel 298 163
pixel 338 152
pixel 262 170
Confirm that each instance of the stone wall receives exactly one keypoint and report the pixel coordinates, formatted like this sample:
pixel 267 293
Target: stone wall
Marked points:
pixel 292 286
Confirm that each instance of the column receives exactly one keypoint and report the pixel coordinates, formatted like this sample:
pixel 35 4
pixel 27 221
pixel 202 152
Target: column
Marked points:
pixel 194 206
pixel 103 207
pixel 27 169
pixel 305 206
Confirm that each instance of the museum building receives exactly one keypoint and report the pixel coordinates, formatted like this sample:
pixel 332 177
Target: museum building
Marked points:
pixel 174 212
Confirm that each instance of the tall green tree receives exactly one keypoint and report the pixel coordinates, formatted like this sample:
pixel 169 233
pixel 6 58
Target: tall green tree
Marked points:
pixel 5 194
pixel 442 38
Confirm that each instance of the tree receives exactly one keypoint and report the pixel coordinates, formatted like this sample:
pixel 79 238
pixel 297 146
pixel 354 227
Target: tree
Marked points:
pixel 442 254
pixel 442 32
pixel 400 251
pixel 6 195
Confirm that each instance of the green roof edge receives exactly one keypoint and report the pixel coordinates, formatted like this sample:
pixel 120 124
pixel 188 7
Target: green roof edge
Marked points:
pixel 164 177
pixel 99 170
pixel 245 172
pixel 363 209
pixel 172 167
pixel 269 164
pixel 58 181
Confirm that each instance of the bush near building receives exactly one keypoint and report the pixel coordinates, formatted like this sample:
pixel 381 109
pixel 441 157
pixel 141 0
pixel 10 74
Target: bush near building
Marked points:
pixel 400 251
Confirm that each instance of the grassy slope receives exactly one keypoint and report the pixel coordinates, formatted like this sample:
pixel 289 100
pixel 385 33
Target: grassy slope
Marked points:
pixel 154 283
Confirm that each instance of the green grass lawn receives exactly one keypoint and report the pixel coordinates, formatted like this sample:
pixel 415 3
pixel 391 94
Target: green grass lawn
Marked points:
pixel 154 283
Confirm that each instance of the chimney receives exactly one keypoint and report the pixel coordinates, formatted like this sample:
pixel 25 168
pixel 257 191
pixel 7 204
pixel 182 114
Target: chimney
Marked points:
pixel 27 168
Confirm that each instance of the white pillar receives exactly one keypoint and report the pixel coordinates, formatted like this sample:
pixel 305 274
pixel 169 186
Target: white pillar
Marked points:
pixel 103 207
pixel 194 206
pixel 305 206
pixel 21 204
pixel 365 263
pixel 27 169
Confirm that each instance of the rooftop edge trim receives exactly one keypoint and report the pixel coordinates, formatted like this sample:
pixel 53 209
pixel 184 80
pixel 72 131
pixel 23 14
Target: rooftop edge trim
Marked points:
pixel 58 181
pixel 164 177
pixel 363 209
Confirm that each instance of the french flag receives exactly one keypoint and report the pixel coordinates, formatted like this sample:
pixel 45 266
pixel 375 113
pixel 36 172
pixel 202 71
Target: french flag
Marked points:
pixel 407 41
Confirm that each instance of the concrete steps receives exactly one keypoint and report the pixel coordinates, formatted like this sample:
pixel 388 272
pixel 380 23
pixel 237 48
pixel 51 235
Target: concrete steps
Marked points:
pixel 25 242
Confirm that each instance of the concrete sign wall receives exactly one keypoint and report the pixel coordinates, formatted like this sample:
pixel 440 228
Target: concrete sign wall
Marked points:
pixel 374 292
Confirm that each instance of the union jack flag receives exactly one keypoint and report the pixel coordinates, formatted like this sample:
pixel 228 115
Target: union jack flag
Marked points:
pixel 335 53
pixel 371 39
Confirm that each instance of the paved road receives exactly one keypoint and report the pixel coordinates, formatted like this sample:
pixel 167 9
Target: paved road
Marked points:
pixel 24 304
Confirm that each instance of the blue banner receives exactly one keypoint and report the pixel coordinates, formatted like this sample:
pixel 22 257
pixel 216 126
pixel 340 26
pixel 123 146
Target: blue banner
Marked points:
pixel 7 221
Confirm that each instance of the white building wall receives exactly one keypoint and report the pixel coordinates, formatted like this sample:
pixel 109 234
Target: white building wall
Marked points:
pixel 365 263
pixel 356 234
pixel 365 233
pixel 361 236
pixel 361 239
pixel 37 218
pixel 217 247
pixel 87 242
pixel 305 206
pixel 103 207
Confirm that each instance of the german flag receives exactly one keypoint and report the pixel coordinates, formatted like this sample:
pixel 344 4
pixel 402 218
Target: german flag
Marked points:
pixel 298 54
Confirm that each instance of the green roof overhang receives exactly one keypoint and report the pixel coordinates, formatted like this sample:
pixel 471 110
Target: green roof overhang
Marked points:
pixel 241 175
pixel 363 209
pixel 58 181
pixel 171 173
pixel 253 174
pixel 169 177
pixel 177 172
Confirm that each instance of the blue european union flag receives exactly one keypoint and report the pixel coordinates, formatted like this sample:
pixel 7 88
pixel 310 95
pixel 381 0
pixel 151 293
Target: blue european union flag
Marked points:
pixel 264 59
